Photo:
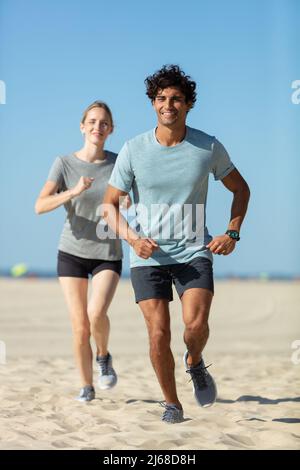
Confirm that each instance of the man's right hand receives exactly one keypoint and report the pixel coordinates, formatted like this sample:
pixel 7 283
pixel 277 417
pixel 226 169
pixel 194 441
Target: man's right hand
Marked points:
pixel 83 184
pixel 144 247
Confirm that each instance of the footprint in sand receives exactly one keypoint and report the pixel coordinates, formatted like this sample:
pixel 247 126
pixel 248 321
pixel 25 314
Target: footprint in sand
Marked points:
pixel 61 445
pixel 236 439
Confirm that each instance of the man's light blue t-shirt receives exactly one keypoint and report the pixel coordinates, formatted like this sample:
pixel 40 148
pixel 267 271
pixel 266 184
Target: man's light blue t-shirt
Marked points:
pixel 177 176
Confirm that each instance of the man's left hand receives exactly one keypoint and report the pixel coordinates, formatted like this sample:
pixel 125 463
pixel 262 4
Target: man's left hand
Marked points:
pixel 222 245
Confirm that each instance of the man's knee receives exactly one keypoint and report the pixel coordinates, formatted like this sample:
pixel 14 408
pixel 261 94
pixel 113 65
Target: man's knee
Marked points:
pixel 160 339
pixel 198 326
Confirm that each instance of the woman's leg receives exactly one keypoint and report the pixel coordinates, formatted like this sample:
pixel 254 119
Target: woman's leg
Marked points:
pixel 75 292
pixel 104 286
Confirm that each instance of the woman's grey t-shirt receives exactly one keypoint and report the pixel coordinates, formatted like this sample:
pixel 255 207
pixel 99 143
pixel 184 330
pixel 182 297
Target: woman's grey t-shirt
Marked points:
pixel 79 235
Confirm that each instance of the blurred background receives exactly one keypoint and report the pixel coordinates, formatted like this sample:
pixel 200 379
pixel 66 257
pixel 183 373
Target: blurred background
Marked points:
pixel 57 57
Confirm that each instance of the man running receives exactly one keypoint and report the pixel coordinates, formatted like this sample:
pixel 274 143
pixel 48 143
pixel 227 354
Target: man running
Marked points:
pixel 168 167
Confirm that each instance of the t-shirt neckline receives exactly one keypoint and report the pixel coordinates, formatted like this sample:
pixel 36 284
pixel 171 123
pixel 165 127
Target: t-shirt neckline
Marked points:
pixel 91 163
pixel 170 147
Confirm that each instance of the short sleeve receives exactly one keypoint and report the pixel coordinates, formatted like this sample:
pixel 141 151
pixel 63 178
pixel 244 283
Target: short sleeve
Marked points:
pixel 56 173
pixel 122 175
pixel 221 163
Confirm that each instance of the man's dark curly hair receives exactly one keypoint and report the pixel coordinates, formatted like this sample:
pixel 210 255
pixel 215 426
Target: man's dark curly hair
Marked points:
pixel 171 76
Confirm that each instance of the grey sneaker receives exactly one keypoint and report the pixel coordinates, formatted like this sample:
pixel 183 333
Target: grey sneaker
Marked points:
pixel 205 389
pixel 172 414
pixel 87 393
pixel 107 376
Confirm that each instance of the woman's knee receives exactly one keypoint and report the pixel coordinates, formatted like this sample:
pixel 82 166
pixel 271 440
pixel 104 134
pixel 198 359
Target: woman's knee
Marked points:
pixel 97 316
pixel 81 333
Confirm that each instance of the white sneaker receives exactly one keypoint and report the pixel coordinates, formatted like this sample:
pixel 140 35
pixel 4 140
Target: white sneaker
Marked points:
pixel 107 377
pixel 87 393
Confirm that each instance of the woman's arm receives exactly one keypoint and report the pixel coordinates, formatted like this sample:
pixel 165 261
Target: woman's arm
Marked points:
pixel 49 200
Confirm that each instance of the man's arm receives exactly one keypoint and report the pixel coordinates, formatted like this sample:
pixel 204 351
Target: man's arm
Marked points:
pixel 143 247
pixel 235 183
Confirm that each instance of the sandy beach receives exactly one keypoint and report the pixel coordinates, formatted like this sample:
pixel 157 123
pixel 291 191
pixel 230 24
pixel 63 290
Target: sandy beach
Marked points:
pixel 253 325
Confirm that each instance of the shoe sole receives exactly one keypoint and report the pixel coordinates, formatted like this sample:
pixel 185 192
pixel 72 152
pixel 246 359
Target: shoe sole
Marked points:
pixel 172 422
pixel 84 401
pixel 200 404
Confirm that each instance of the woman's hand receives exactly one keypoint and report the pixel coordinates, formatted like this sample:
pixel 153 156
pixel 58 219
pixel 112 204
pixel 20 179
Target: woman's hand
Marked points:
pixel 83 184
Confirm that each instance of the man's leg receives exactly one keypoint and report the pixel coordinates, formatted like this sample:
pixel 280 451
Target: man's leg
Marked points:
pixel 157 317
pixel 196 304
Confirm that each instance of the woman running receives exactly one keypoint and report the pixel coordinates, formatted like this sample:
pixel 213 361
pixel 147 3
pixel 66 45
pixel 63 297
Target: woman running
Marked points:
pixel 78 181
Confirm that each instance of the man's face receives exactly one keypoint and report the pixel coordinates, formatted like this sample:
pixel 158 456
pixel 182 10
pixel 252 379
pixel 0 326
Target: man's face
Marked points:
pixel 170 107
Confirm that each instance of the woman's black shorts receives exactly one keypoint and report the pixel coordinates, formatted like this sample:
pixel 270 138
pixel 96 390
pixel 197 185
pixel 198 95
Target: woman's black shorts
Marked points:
pixel 73 266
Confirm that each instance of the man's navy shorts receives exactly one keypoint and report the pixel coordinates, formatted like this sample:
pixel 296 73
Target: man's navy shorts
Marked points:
pixel 155 282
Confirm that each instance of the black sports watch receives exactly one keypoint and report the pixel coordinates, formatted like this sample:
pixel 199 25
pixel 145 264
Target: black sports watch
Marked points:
pixel 234 234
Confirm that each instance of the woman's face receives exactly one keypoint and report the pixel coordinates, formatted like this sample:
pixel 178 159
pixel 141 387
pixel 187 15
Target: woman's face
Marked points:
pixel 97 126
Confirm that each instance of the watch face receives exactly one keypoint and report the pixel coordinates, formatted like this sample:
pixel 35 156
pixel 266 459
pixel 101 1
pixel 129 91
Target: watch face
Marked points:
pixel 233 234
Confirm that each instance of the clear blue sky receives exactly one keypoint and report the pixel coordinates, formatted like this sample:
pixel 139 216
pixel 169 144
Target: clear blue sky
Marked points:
pixel 58 56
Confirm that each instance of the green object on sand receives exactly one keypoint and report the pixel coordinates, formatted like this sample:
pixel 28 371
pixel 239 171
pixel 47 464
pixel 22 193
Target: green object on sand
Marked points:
pixel 18 270
pixel 263 276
